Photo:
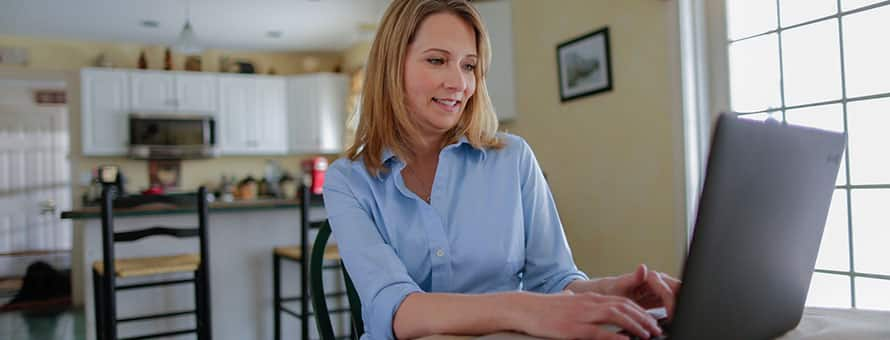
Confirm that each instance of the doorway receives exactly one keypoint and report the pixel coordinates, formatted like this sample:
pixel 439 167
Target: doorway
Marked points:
pixel 35 186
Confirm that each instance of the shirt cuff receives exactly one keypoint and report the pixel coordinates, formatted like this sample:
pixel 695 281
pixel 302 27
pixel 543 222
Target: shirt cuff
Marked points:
pixel 384 307
pixel 561 284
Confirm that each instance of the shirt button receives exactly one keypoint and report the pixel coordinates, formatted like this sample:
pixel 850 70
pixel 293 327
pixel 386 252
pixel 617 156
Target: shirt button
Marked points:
pixel 440 252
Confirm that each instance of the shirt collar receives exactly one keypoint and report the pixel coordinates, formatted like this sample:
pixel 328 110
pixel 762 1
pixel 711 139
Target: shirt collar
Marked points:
pixel 389 157
pixel 465 143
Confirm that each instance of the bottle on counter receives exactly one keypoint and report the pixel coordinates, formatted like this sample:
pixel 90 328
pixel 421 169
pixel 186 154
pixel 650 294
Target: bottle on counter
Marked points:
pixel 168 60
pixel 143 63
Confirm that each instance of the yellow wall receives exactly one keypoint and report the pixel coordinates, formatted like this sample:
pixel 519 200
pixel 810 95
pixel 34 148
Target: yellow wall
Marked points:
pixel 62 60
pixel 611 159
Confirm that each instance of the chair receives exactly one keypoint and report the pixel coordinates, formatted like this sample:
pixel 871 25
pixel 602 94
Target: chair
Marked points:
pixel 110 268
pixel 296 255
pixel 316 290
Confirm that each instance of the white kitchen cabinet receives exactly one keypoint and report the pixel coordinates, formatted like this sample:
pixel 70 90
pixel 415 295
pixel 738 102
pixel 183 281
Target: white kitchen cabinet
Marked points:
pixel 196 93
pixel 498 18
pixel 173 92
pixel 255 114
pixel 104 112
pixel 271 112
pixel 252 115
pixel 316 107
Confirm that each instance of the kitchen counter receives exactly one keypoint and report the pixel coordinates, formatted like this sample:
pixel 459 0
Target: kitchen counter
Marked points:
pixel 168 209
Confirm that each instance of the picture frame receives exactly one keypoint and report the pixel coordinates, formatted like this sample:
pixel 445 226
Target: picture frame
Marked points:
pixel 584 65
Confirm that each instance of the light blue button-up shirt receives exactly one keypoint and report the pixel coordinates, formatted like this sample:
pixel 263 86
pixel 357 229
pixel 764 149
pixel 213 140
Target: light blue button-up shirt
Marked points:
pixel 491 226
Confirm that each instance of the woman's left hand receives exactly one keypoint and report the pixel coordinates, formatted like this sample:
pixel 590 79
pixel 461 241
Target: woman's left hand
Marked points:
pixel 648 288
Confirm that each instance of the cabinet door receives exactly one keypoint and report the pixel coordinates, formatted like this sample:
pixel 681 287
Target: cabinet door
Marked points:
pixel 332 92
pixel 104 112
pixel 196 93
pixel 236 104
pixel 500 79
pixel 152 91
pixel 271 116
pixel 302 109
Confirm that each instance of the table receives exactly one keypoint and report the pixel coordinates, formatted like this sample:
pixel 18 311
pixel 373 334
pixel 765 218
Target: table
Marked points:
pixel 817 324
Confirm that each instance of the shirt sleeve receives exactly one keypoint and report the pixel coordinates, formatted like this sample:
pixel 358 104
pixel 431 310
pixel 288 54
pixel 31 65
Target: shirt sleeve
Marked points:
pixel 549 266
pixel 380 277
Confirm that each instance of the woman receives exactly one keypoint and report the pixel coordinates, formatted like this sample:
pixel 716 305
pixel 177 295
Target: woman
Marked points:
pixel 448 227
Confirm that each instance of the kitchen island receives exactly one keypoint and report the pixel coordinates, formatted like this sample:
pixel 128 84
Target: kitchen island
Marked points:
pixel 241 238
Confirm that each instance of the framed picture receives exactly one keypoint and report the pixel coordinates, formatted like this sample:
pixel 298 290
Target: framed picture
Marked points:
pixel 585 65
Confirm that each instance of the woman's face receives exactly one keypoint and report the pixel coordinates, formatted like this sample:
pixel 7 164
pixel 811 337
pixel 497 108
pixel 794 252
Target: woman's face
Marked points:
pixel 439 72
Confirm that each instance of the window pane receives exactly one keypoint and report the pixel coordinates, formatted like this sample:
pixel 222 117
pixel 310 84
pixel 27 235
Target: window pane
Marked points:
pixel 749 17
pixel 798 11
pixel 812 63
pixel 834 251
pixel 871 231
pixel 828 290
pixel 872 293
pixel 825 117
pixel 754 74
pixel 866 52
pixel 854 4
pixel 867 123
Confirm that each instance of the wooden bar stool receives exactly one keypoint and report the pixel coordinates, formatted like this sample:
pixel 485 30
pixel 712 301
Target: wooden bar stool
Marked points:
pixel 296 254
pixel 110 268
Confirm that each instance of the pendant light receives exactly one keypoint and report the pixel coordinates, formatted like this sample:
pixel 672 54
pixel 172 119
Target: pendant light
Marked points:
pixel 187 42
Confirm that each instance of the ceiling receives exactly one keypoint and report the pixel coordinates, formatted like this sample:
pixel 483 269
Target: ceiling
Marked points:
pixel 305 25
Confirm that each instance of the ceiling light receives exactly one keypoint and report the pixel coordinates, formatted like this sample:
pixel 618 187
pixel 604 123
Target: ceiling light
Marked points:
pixel 187 42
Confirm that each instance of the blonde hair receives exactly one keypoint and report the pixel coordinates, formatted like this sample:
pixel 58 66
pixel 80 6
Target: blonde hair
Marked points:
pixel 385 121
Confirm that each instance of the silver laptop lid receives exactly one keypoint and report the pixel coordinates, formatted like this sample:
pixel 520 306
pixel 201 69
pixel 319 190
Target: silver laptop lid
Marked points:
pixel 762 211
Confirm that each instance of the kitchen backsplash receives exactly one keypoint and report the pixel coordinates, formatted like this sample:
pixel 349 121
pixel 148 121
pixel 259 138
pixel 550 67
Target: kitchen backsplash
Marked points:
pixel 194 173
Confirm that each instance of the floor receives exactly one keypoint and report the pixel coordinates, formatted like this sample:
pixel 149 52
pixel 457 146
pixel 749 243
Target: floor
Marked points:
pixel 67 324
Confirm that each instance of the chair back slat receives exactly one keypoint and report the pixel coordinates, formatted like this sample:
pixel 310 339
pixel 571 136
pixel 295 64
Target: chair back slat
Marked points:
pixel 180 232
pixel 316 284
pixel 355 305
pixel 316 225
pixel 178 200
pixel 316 289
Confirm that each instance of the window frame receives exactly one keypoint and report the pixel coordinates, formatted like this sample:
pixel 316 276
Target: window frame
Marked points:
pixel 706 93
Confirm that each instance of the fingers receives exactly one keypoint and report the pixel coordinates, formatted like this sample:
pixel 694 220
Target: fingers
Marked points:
pixel 672 282
pixel 641 273
pixel 626 314
pixel 663 290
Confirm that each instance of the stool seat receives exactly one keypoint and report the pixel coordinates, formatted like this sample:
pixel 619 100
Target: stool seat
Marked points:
pixel 296 252
pixel 143 266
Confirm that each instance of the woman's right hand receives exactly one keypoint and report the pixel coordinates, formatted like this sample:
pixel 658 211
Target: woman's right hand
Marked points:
pixel 583 316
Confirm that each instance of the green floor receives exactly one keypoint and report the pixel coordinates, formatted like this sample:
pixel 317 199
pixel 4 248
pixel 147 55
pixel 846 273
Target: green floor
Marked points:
pixel 64 325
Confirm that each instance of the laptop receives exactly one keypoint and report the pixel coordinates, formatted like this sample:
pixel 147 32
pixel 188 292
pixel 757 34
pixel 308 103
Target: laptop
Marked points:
pixel 760 220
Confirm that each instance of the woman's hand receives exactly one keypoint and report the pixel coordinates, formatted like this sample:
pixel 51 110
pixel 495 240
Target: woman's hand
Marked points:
pixel 582 316
pixel 648 288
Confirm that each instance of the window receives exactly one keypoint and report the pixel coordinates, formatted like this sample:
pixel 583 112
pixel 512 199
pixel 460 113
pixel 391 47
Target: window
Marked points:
pixel 824 63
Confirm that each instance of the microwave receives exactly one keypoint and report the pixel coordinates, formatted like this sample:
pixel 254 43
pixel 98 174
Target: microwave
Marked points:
pixel 172 136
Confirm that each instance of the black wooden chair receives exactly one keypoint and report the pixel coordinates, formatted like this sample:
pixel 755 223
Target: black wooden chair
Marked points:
pixel 295 254
pixel 316 291
pixel 110 268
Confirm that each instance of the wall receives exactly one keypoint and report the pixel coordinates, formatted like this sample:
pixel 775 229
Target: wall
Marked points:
pixel 615 165
pixel 62 59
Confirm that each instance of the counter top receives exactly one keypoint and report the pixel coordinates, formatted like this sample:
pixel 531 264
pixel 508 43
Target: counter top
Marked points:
pixel 168 209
